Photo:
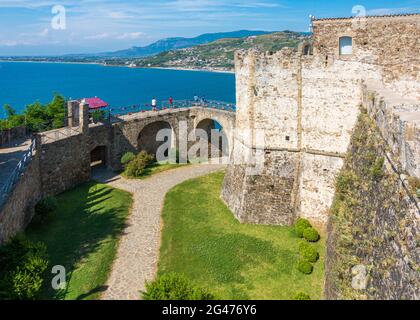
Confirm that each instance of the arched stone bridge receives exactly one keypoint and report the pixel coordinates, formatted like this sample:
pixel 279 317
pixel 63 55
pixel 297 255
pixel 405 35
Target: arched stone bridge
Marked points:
pixel 68 153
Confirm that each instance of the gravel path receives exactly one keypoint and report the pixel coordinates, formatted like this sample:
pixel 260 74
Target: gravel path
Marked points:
pixel 138 250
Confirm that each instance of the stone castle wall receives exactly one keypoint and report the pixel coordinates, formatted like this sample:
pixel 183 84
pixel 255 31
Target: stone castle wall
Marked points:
pixel 267 90
pixel 398 120
pixel 307 105
pixel 306 109
pixel 387 42
pixel 375 221
pixel 9 135
pixel 65 163
pixel 19 207
pixel 63 156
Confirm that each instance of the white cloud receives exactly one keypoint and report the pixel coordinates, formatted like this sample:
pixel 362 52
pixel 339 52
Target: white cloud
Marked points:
pixel 41 34
pixel 9 43
pixel 388 11
pixel 120 15
pixel 117 23
pixel 130 35
pixel 99 36
pixel 116 36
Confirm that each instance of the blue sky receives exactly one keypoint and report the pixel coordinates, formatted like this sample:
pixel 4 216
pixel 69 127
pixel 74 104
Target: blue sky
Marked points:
pixel 104 25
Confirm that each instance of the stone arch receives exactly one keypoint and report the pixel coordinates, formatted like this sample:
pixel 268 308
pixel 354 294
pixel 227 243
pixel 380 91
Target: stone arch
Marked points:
pixel 306 48
pixel 224 118
pixel 99 156
pixel 213 127
pixel 147 137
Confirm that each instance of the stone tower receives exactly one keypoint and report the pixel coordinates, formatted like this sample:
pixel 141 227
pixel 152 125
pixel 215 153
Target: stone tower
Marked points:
pixel 306 102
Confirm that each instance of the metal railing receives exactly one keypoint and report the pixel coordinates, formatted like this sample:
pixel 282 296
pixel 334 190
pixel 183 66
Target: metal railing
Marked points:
pixel 58 134
pixel 178 104
pixel 17 172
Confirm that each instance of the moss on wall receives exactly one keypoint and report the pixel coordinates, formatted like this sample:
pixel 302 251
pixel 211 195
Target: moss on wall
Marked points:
pixel 373 223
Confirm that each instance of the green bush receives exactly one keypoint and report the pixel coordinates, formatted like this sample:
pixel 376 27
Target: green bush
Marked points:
pixel 22 267
pixel 300 226
pixel 44 209
pixel 137 166
pixel 301 296
pixel 127 158
pixel 311 235
pixel 46 206
pixel 308 252
pixel 305 267
pixel 98 116
pixel 173 286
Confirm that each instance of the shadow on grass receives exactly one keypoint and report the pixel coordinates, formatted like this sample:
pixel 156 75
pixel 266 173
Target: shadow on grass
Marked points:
pixel 95 291
pixel 90 218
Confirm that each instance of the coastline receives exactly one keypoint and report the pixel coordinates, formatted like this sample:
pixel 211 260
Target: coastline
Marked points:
pixel 123 66
pixel 188 69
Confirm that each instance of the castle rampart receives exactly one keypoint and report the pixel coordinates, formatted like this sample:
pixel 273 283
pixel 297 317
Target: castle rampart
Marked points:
pixel 307 103
pixel 64 157
pixel 375 222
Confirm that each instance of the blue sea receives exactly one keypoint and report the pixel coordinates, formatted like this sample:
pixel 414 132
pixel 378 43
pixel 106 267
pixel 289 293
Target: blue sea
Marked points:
pixel 22 83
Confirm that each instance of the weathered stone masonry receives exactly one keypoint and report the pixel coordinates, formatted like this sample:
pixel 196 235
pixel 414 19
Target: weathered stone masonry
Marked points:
pixel 307 105
pixel 63 157
pixel 383 223
pixel 19 208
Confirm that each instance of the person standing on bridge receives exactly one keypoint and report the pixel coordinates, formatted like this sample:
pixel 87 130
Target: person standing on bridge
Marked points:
pixel 154 104
pixel 171 102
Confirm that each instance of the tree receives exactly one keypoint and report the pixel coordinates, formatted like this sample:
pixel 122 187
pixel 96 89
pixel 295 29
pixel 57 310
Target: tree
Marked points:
pixel 37 117
pixel 46 117
pixel 56 111
pixel 10 112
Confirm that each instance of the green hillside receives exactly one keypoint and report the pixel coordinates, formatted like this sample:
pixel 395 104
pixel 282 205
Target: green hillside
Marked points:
pixel 219 55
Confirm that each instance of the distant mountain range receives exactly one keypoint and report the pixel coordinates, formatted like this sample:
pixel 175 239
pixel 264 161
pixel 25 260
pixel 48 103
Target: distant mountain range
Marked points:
pixel 219 54
pixel 172 44
pixel 211 51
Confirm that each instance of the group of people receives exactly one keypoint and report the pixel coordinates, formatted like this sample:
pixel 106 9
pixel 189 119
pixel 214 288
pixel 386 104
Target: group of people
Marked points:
pixel 197 99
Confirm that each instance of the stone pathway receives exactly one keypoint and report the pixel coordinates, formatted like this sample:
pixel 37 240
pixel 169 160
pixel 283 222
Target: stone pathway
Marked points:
pixel 138 251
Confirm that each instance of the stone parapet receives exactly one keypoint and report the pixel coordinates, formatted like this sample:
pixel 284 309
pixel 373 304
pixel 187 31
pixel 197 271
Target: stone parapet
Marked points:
pixel 398 119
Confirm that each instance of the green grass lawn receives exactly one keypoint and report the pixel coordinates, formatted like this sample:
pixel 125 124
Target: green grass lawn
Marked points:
pixel 202 239
pixel 83 237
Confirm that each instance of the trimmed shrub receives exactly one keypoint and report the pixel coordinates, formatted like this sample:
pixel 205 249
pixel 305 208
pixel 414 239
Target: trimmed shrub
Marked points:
pixel 311 235
pixel 46 206
pixel 305 267
pixel 300 226
pixel 44 209
pixel 22 267
pixel 308 252
pixel 173 286
pixel 137 166
pixel 301 296
pixel 127 158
